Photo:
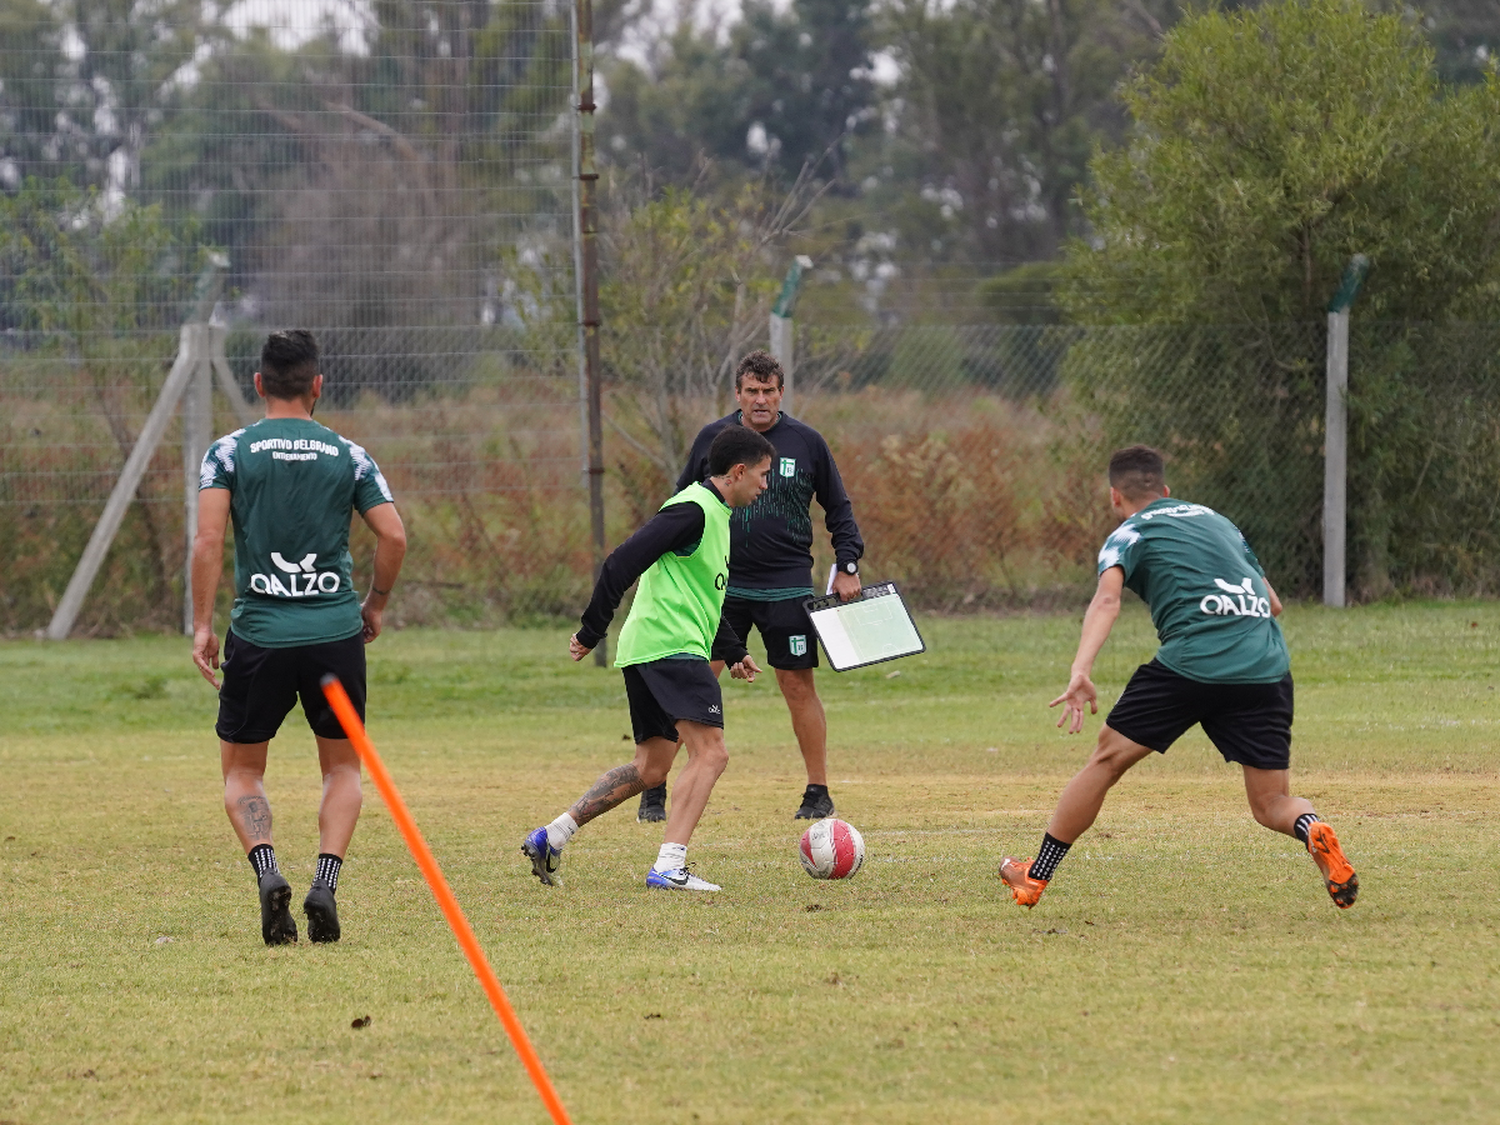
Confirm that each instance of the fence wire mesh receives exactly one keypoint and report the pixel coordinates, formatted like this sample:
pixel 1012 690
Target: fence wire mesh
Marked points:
pixel 375 172
pixel 395 175
pixel 974 455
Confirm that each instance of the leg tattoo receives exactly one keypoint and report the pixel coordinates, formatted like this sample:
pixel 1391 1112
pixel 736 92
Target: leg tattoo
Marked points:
pixel 618 785
pixel 255 817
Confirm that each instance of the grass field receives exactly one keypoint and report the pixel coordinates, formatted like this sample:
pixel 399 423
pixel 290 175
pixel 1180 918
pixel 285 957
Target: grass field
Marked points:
pixel 1185 966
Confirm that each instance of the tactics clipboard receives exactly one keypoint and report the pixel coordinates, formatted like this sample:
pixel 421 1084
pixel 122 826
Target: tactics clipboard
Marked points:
pixel 870 629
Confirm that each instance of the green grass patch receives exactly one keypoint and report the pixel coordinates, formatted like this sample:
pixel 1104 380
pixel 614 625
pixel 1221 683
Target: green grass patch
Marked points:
pixel 1185 966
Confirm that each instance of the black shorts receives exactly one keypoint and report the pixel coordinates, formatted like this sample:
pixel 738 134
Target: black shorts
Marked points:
pixel 261 686
pixel 663 691
pixel 1248 723
pixel 784 625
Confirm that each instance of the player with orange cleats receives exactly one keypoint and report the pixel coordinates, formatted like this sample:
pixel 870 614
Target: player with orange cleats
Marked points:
pixel 1222 663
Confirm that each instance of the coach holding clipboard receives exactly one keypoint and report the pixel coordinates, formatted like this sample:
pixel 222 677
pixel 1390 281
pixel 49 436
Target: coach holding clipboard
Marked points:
pixel 770 561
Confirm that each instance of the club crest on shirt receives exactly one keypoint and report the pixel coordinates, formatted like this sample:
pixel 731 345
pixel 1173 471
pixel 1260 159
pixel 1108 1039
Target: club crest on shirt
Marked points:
pixel 789 466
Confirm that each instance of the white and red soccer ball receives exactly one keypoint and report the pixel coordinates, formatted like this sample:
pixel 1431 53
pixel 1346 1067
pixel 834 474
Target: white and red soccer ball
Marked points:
pixel 832 849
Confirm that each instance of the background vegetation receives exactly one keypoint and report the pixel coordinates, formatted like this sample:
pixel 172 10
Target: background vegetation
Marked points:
pixel 1038 229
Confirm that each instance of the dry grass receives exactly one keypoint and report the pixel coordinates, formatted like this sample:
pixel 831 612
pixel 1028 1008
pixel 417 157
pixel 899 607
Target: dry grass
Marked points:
pixel 969 500
pixel 1185 965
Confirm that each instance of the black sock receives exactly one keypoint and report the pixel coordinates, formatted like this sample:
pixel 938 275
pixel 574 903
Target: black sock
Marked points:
pixel 815 790
pixel 1047 859
pixel 262 858
pixel 1302 824
pixel 329 866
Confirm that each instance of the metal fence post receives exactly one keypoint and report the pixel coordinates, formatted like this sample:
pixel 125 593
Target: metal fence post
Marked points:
pixel 587 259
pixel 783 340
pixel 197 432
pixel 1336 436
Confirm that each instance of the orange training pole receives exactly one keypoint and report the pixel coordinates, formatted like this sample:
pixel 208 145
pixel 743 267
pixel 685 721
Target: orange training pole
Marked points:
pixel 338 699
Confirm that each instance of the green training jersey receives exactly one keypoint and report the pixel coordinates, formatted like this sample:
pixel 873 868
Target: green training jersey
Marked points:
pixel 679 599
pixel 1207 593
pixel 293 487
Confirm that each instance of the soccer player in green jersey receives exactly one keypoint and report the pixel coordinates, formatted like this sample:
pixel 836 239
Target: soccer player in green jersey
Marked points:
pixel 675 626
pixel 1222 663
pixel 290 487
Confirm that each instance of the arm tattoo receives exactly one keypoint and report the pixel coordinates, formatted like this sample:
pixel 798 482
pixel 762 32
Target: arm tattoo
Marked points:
pixel 619 784
pixel 255 818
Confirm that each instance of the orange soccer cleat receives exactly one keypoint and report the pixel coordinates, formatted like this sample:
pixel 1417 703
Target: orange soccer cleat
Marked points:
pixel 1023 888
pixel 1338 874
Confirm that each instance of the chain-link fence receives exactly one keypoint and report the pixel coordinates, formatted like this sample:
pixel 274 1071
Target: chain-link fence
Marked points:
pixel 974 456
pixel 375 172
pixel 482 447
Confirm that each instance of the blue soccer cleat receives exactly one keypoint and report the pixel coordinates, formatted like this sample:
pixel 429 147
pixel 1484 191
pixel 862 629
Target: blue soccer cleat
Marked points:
pixel 545 859
pixel 680 880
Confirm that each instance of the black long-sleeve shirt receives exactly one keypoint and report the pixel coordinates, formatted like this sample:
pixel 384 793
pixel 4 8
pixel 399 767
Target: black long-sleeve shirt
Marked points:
pixel 770 542
pixel 676 528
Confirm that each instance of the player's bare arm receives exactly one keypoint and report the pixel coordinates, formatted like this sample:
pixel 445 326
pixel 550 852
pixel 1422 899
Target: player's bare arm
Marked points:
pixel 1272 598
pixel 1103 612
pixel 208 565
pixel 390 551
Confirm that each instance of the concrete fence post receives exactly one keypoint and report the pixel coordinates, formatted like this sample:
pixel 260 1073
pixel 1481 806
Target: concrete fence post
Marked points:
pixel 1336 436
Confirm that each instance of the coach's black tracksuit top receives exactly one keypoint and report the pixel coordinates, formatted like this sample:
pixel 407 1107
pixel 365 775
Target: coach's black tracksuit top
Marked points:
pixel 770 542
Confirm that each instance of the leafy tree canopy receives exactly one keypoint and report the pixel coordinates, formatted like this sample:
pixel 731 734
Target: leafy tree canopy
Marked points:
pixel 780 90
pixel 1270 145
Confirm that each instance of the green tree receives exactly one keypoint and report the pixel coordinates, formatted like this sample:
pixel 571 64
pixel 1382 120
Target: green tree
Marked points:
pixel 373 188
pixel 688 282
pixel 1267 147
pixel 999 106
pixel 85 82
pixel 811 88
pixel 685 104
pixel 783 90
pixel 1465 35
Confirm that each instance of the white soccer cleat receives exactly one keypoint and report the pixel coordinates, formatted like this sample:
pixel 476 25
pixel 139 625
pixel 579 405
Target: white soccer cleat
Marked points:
pixel 679 880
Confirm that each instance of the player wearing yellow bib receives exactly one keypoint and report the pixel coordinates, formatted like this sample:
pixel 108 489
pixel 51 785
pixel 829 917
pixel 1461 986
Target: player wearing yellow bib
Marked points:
pixel 1222 663
pixel 675 626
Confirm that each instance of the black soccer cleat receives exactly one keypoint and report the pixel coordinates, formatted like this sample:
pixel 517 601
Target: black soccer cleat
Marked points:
pixel 276 924
pixel 322 913
pixel 817 803
pixel 653 805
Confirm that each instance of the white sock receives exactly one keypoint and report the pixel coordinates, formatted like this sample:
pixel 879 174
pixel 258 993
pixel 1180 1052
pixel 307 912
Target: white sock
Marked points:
pixel 561 830
pixel 672 857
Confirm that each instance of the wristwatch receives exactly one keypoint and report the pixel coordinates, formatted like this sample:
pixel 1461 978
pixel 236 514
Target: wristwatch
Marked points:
pixel 850 568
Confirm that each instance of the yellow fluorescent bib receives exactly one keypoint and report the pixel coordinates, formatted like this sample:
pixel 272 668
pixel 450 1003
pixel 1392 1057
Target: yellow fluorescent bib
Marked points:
pixel 677 606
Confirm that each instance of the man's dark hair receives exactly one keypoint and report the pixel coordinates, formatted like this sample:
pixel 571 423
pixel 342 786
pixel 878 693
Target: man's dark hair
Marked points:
pixel 1137 472
pixel 762 365
pixel 288 363
pixel 737 445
